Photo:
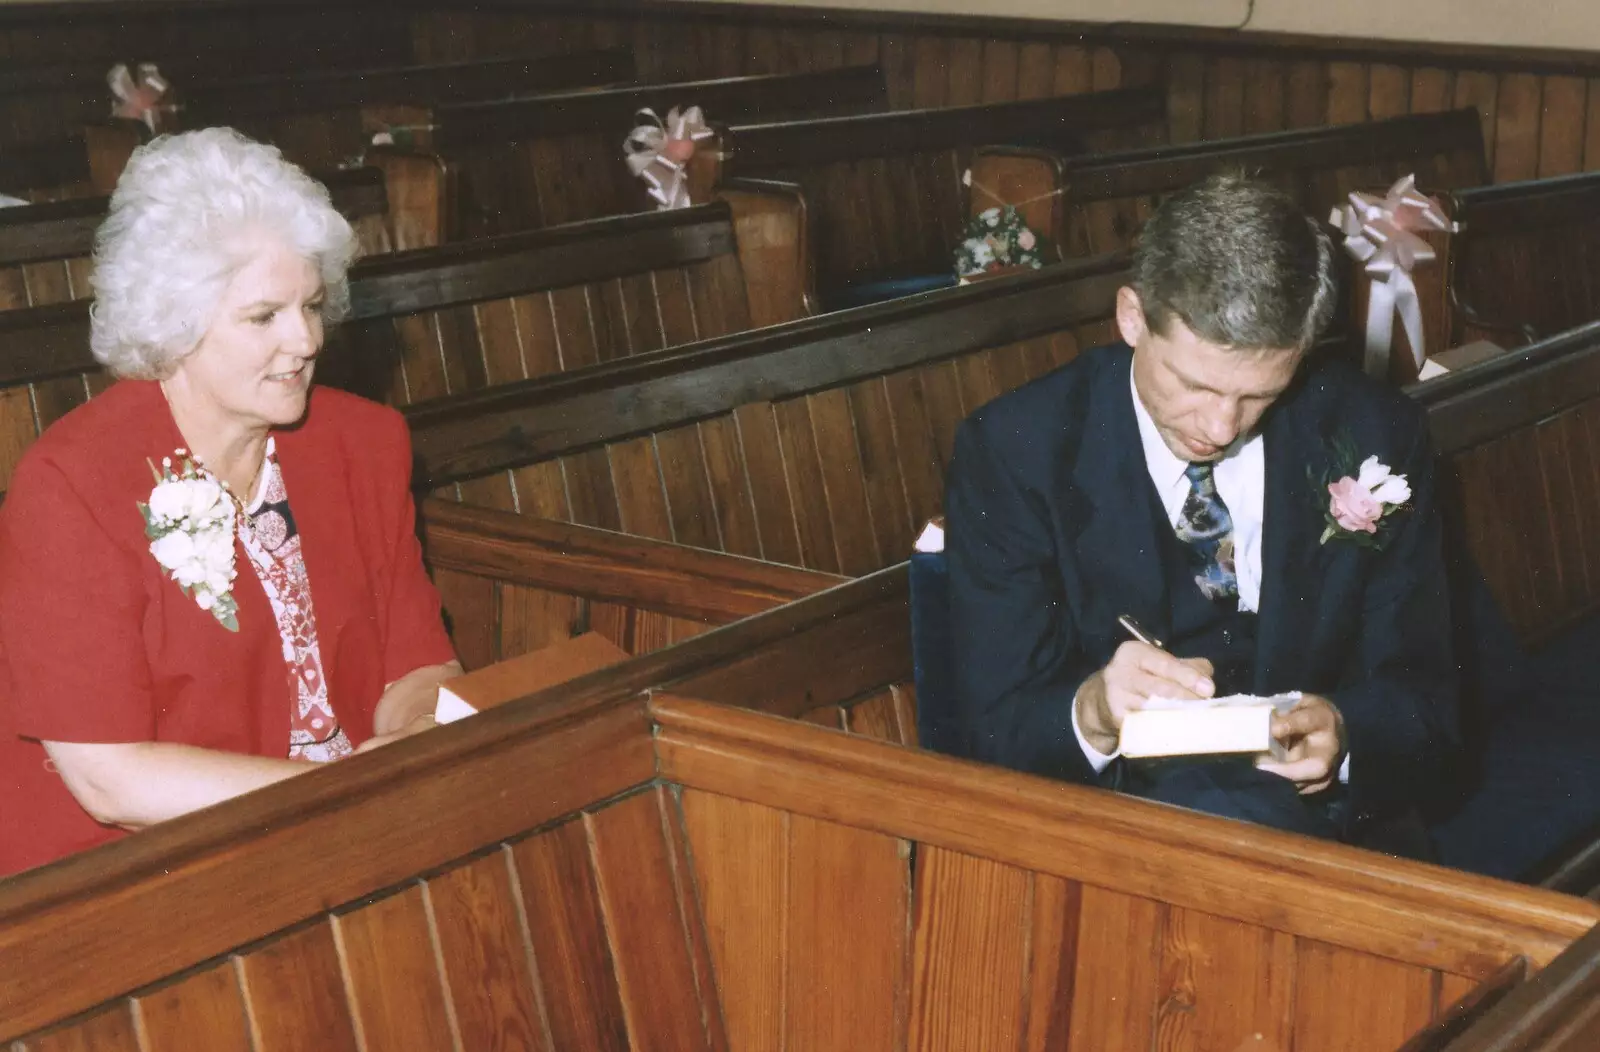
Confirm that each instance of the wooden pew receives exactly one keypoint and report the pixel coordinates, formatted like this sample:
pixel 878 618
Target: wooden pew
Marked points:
pixel 1523 265
pixel 323 118
pixel 885 189
pixel 462 317
pixel 57 81
pixel 1555 1011
pixel 628 861
pixel 514 583
pixel 45 169
pixel 819 443
pixel 525 164
pixel 45 248
pixel 1110 195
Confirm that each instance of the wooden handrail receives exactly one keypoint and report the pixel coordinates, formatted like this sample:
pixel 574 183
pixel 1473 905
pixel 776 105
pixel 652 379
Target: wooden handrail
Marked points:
pixel 469 435
pixel 1558 1010
pixel 1057 122
pixel 1368 901
pixel 65 229
pixel 37 343
pixel 213 100
pixel 667 578
pixel 466 127
pixel 1493 397
pixel 1165 168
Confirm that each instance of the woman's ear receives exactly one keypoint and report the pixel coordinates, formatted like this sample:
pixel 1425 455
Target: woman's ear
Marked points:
pixel 1130 316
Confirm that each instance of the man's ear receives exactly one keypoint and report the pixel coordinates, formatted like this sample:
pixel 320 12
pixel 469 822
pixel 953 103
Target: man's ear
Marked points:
pixel 1130 316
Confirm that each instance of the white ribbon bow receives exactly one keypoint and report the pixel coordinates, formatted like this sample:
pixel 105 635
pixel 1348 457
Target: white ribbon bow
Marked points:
pixel 138 97
pixel 659 153
pixel 1381 232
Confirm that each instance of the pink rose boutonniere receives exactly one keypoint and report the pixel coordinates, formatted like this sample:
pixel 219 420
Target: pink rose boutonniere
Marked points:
pixel 1357 505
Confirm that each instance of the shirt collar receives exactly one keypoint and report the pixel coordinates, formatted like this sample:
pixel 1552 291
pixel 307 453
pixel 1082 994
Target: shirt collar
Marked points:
pixel 1164 466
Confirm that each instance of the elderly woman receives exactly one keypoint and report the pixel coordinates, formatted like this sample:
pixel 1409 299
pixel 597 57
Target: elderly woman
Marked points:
pixel 209 575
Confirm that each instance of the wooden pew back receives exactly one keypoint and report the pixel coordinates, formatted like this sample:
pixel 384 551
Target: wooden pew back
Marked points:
pixel 1522 436
pixel 531 163
pixel 886 190
pixel 45 248
pixel 1110 196
pixel 671 872
pixel 820 443
pixel 458 318
pixel 1525 264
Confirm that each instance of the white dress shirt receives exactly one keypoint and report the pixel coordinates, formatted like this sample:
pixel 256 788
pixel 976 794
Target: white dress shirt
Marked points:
pixel 1241 478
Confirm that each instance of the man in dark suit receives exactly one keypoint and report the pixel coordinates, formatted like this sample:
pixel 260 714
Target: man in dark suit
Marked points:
pixel 1183 479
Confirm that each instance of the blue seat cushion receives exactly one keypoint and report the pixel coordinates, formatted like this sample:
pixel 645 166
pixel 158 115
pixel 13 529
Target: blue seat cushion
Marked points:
pixel 869 292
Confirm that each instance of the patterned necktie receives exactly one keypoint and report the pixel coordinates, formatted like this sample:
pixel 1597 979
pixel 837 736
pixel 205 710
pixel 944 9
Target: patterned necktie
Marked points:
pixel 1207 528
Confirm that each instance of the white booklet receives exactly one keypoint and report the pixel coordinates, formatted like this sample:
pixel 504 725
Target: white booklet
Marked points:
pixel 1238 724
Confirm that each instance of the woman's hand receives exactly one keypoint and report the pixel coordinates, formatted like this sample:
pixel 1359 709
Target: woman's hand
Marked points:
pixel 417 724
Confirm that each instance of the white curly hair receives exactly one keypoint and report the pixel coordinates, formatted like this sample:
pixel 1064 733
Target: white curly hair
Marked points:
pixel 179 229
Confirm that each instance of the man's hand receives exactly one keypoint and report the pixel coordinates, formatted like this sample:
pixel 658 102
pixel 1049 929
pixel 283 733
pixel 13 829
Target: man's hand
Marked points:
pixel 1137 672
pixel 1312 734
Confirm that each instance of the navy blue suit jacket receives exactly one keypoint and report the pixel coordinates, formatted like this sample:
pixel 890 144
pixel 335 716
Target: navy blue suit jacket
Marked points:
pixel 1051 532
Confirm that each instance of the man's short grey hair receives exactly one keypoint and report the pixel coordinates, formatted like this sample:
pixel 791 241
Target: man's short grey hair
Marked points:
pixel 1239 263
pixel 180 228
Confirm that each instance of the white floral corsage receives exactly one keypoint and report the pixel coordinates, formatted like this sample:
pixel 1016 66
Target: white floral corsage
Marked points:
pixel 190 523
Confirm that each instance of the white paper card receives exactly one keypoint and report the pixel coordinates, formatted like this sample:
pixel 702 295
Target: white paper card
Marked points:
pixel 451 707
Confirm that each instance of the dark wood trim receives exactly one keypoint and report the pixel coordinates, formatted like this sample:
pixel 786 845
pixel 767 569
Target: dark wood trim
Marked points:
pixel 1555 1010
pixel 554 257
pixel 1164 168
pixel 1133 34
pixel 1457 1018
pixel 48 163
pixel 466 127
pixel 469 435
pixel 1495 397
pixel 219 100
pixel 665 578
pixel 1509 208
pixel 65 229
pixel 38 343
pixel 1053 122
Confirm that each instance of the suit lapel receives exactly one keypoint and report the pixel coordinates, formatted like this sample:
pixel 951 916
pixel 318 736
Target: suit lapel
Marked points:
pixel 1292 562
pixel 1118 548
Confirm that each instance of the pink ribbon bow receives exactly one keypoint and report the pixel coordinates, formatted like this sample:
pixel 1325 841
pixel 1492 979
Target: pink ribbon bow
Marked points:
pixel 1381 232
pixel 138 96
pixel 659 153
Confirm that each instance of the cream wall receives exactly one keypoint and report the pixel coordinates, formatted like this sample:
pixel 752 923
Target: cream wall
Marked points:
pixel 1567 24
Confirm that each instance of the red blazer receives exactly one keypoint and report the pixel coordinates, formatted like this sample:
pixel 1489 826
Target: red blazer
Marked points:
pixel 100 645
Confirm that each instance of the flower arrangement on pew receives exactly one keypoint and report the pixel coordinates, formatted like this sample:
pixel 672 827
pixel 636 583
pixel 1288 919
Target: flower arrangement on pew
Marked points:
pixel 1384 235
pixel 995 241
pixel 139 93
pixel 659 151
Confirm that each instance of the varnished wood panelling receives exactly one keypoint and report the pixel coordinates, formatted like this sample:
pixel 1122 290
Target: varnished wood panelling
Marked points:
pixel 485 958
pixel 651 923
pixel 109 1031
pixel 396 989
pixel 296 993
pixel 846 953
pixel 969 956
pixel 1117 971
pixel 1222 981
pixel 1352 1002
pixel 570 948
pixel 741 868
pixel 204 1010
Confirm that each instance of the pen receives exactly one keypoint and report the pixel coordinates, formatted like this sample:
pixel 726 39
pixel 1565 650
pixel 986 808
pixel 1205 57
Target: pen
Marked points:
pixel 1132 628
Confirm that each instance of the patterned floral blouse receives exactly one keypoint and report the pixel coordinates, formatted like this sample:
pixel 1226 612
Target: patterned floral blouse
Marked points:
pixel 267 532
